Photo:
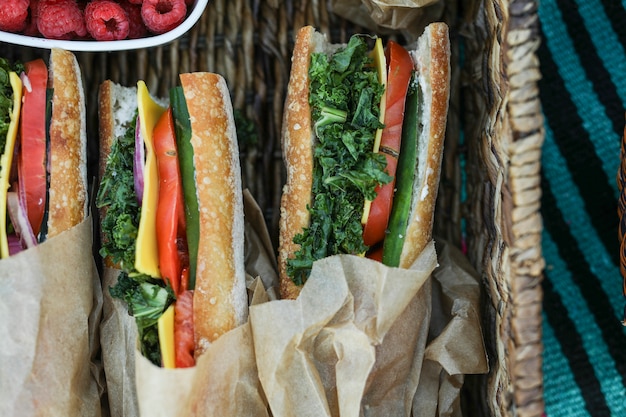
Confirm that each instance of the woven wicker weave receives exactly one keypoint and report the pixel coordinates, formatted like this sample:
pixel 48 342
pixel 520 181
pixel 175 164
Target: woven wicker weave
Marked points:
pixel 249 42
pixel 504 225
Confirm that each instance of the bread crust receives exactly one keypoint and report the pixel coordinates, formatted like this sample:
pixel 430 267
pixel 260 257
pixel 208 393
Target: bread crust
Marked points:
pixel 432 60
pixel 297 145
pixel 220 298
pixel 67 198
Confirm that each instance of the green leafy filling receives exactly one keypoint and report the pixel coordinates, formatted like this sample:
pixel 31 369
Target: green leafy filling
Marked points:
pixel 147 298
pixel 117 193
pixel 345 104
pixel 6 97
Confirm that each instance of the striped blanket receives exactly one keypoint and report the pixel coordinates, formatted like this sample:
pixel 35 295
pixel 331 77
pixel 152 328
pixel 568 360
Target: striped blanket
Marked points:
pixel 583 92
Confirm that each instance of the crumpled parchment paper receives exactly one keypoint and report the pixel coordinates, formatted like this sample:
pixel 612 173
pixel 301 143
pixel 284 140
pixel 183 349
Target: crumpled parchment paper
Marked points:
pixel 50 304
pixel 362 339
pixel 224 380
pixel 408 17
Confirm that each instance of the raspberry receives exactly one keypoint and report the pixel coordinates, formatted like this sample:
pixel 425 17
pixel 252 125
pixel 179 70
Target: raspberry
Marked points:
pixel 14 14
pixel 161 16
pixel 33 16
pixel 137 27
pixel 60 19
pixel 136 1
pixel 106 20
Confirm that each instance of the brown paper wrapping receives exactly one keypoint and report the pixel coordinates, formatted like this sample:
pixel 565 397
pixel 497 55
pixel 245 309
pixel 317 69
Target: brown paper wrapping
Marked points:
pixel 51 304
pixel 325 353
pixel 224 380
pixel 409 17
pixel 362 339
pixel 456 345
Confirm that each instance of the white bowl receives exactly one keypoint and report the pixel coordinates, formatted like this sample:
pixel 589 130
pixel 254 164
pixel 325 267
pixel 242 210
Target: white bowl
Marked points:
pixel 105 46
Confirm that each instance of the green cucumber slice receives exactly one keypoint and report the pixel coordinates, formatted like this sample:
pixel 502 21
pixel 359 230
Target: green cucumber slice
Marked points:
pixel 43 229
pixel 187 172
pixel 405 174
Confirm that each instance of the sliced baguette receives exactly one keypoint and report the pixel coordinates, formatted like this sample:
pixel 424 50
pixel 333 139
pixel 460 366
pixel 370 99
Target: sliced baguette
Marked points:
pixel 67 204
pixel 298 140
pixel 220 298
pixel 432 60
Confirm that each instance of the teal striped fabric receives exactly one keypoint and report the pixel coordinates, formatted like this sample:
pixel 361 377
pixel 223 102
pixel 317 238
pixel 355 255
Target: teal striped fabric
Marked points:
pixel 583 92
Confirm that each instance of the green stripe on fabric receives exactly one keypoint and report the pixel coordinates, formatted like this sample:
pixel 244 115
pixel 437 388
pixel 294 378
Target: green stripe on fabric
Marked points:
pixel 561 393
pixel 597 191
pixel 605 42
pixel 617 16
pixel 589 107
pixel 571 204
pixel 590 334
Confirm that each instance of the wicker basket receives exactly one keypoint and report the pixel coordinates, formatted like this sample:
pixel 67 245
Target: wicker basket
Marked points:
pixel 490 188
pixel 504 138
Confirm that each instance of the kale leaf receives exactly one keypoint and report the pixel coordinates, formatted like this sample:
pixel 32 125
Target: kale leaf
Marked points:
pixel 146 299
pixel 120 223
pixel 345 104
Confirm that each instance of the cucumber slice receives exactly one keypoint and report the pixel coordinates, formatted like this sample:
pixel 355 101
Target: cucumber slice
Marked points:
pixel 405 174
pixel 187 172
pixel 43 229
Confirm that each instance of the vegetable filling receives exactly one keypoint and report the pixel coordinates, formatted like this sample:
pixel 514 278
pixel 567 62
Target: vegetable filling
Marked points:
pixel 345 104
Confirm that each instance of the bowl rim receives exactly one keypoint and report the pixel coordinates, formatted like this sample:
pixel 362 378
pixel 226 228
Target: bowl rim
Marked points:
pixel 106 46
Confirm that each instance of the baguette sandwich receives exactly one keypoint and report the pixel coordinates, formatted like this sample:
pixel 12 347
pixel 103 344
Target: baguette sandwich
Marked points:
pixel 362 141
pixel 171 210
pixel 43 164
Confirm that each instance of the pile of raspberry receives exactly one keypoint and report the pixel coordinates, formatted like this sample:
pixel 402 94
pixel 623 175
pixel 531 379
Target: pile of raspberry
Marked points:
pixel 102 20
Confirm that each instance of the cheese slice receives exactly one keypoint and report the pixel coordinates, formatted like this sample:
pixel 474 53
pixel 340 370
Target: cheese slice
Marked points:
pixel 378 54
pixel 165 326
pixel 146 250
pixel 7 159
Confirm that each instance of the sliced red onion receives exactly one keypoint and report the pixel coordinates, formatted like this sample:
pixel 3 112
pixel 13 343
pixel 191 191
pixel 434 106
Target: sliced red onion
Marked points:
pixel 26 82
pixel 15 246
pixel 17 213
pixel 139 162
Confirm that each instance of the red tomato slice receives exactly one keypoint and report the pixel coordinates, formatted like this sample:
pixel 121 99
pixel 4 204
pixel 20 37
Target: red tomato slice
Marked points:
pixel 183 330
pixel 169 213
pixel 32 154
pixel 399 71
pixel 376 253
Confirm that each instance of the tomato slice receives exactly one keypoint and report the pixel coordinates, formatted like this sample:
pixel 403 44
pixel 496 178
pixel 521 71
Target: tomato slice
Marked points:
pixel 399 71
pixel 170 216
pixel 183 330
pixel 32 154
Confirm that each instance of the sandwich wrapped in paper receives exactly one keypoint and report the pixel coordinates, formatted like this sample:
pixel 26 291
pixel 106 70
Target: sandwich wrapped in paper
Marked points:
pixel 370 331
pixel 175 335
pixel 50 291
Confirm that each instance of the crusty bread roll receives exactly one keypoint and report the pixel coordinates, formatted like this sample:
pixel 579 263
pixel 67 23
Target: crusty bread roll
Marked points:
pixel 220 298
pixel 298 140
pixel 67 204
pixel 432 61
